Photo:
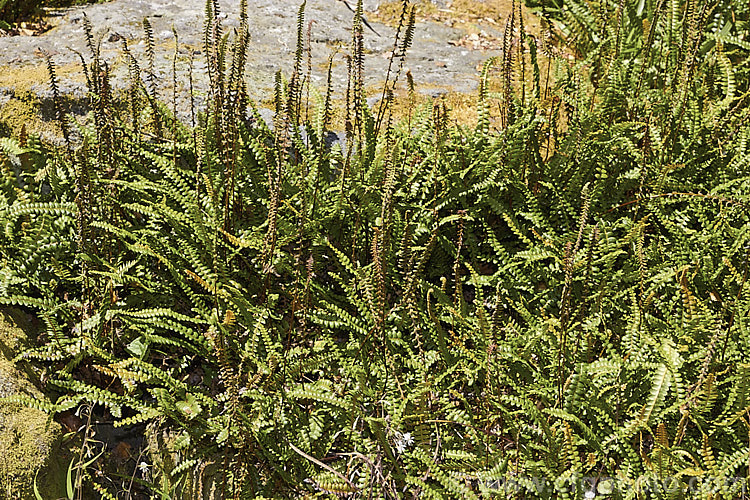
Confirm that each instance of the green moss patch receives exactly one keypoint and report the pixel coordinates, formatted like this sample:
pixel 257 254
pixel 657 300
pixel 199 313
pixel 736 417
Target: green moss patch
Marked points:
pixel 29 440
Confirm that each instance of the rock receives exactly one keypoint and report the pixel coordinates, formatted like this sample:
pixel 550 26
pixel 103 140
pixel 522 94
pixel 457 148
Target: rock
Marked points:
pixel 273 31
pixel 29 440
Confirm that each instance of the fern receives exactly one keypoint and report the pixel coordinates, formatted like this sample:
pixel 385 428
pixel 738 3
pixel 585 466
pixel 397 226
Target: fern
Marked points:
pixel 558 289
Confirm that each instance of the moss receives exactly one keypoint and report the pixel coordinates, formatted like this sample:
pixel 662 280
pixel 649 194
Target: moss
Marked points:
pixel 24 107
pixel 470 15
pixel 24 111
pixel 29 441
pixel 16 328
pixel 23 78
pixel 389 13
pixel 26 445
pixel 462 106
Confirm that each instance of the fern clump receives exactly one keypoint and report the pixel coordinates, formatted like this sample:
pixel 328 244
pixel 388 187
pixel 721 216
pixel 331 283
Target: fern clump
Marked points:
pixel 554 297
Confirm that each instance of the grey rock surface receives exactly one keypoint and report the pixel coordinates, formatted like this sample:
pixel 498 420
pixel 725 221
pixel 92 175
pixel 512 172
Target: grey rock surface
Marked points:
pixel 436 64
